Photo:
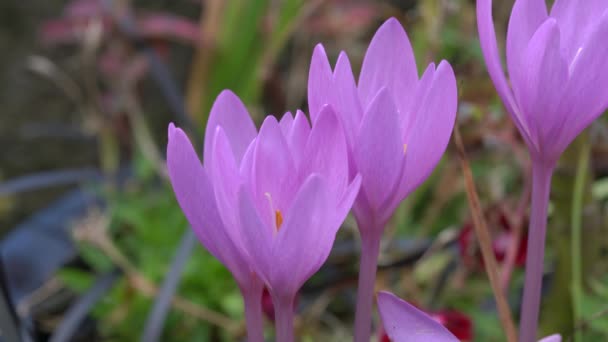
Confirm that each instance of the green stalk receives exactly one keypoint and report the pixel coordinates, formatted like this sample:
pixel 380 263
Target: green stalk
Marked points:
pixel 576 226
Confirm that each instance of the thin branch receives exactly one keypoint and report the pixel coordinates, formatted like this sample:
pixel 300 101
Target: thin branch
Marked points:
pixel 485 242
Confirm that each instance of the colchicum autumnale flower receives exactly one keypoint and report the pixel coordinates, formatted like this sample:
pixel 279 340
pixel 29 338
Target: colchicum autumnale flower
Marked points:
pixel 288 195
pixel 558 70
pixel 194 190
pixel 404 322
pixel 397 127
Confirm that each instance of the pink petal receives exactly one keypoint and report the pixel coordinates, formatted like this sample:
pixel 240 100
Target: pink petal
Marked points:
pixel 195 196
pixel 229 112
pixel 298 136
pixel 410 117
pixel 273 171
pixel 576 19
pixel 286 122
pixel 326 153
pixel 538 84
pixel 487 39
pixel 526 18
pixel 226 180
pixel 586 94
pixel 319 82
pixel 551 338
pixel 389 62
pixel 431 131
pixel 379 153
pixel 346 99
pixel 256 235
pixel 405 323
pixel 305 238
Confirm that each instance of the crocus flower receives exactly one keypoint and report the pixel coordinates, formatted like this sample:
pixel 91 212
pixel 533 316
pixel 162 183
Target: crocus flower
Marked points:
pixel 404 322
pixel 288 194
pixel 559 84
pixel 397 127
pixel 195 193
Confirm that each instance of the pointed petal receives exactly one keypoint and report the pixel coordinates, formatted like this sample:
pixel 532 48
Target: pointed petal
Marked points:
pixel 286 122
pixel 226 181
pixel 586 94
pixel 273 171
pixel 551 338
pixel 409 118
pixel 405 323
pixel 298 136
pixel 195 196
pixel 379 153
pixel 389 62
pixel 346 99
pixel 487 39
pixel 526 18
pixel 319 81
pixel 431 131
pixel 538 84
pixel 257 236
pixel 326 152
pixel 229 112
pixel 305 238
pixel 346 202
pixel 576 19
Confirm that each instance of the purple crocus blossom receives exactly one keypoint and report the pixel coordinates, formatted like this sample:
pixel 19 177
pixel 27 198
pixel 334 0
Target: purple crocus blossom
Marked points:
pixel 404 322
pixel 559 84
pixel 397 127
pixel 281 195
pixel 194 190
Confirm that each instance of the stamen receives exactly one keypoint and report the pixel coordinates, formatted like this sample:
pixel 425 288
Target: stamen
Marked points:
pixel 278 217
pixel 404 148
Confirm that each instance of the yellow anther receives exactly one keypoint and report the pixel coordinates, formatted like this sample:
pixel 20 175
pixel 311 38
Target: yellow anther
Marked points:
pixel 278 217
pixel 404 148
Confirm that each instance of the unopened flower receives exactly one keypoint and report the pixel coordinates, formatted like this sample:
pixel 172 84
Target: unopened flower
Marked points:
pixel 397 127
pixel 559 84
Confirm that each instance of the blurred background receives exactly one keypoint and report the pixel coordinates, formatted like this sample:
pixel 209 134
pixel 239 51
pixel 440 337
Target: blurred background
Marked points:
pixel 93 246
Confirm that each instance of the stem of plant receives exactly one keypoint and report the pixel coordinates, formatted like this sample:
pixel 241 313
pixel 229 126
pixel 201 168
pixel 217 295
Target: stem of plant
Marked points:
pixel 253 313
pixel 284 317
pixel 541 187
pixel 370 248
pixel 576 226
pixel 485 243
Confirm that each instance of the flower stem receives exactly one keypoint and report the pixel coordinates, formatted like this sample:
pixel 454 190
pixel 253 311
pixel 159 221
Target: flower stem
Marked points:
pixel 370 248
pixel 541 187
pixel 253 314
pixel 576 221
pixel 284 315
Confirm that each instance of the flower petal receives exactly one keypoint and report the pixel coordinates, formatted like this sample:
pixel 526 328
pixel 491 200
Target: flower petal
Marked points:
pixel 586 95
pixel 229 112
pixel 256 235
pixel 195 196
pixel 551 338
pixel 431 131
pixel 305 238
pixel 576 19
pixel 226 180
pixel 319 82
pixel 487 39
pixel 405 323
pixel 326 153
pixel 298 136
pixel 286 122
pixel 389 62
pixel 346 100
pixel 526 18
pixel 538 84
pixel 273 171
pixel 379 153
